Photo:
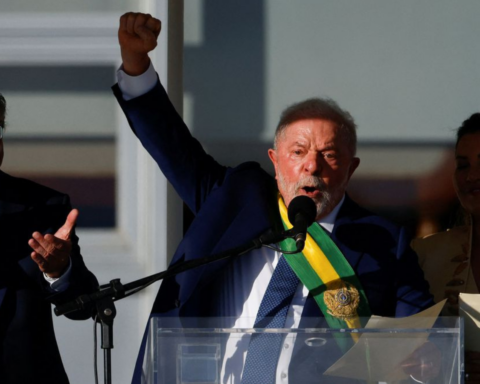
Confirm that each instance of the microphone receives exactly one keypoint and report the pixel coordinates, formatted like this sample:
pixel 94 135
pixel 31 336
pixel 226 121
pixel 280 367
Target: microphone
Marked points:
pixel 301 213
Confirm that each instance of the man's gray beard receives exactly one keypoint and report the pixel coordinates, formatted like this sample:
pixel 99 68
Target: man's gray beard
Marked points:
pixel 323 202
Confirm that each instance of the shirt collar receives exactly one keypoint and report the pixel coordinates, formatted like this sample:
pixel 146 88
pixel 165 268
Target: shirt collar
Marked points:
pixel 328 222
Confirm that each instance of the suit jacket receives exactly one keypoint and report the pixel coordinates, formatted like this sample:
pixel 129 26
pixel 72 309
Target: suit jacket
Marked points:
pixel 235 205
pixel 29 352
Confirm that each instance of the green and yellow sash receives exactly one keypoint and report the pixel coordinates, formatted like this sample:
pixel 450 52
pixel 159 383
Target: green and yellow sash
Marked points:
pixel 323 269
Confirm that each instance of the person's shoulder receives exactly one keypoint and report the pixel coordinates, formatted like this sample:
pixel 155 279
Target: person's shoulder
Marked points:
pixel 442 239
pixel 446 235
pixel 361 214
pixel 251 171
pixel 247 169
pixel 29 192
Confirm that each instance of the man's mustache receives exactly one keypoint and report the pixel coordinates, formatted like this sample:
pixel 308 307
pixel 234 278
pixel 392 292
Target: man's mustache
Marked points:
pixel 310 181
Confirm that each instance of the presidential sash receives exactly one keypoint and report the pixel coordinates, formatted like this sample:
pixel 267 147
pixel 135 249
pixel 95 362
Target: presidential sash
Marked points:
pixel 323 269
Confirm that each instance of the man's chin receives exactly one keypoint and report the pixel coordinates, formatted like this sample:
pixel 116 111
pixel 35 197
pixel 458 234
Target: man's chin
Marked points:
pixel 323 207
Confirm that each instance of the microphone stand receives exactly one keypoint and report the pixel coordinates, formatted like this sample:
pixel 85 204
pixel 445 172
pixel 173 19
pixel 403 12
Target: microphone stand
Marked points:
pixel 103 299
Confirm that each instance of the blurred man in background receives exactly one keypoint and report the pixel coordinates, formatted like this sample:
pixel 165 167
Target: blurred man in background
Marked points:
pixel 40 264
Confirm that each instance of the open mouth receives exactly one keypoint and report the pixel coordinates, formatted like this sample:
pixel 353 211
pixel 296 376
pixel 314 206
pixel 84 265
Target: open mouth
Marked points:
pixel 310 191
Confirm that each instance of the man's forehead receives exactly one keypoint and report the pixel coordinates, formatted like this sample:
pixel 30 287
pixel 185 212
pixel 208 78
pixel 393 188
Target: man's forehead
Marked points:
pixel 317 128
pixel 314 120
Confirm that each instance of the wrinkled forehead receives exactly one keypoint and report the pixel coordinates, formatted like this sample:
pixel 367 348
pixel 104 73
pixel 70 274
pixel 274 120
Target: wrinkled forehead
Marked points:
pixel 328 130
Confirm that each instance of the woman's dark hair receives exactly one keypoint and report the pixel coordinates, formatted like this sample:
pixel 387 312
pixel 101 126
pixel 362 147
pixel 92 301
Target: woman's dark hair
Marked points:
pixel 471 125
pixel 3 105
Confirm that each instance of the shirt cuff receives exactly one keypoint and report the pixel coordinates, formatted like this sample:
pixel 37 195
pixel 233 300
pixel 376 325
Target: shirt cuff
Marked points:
pixel 60 284
pixel 134 86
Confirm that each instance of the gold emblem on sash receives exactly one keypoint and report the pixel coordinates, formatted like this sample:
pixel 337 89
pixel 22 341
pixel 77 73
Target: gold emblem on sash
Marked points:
pixel 342 302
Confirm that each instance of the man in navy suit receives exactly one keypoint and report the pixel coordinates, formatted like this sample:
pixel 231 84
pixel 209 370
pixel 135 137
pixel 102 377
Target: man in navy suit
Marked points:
pixel 41 264
pixel 313 155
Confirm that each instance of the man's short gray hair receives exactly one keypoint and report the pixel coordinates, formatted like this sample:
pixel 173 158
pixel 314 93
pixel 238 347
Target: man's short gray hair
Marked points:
pixel 323 109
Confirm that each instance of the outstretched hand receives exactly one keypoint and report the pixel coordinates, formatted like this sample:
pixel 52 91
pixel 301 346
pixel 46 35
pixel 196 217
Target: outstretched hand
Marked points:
pixel 52 252
pixel 137 35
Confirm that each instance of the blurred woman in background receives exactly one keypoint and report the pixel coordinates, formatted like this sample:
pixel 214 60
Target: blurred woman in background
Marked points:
pixel 451 259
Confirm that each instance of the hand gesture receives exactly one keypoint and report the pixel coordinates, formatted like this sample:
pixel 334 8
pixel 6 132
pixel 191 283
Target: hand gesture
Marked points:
pixel 52 252
pixel 137 35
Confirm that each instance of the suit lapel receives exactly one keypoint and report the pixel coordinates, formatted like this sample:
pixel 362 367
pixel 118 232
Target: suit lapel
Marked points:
pixel 254 218
pixel 342 234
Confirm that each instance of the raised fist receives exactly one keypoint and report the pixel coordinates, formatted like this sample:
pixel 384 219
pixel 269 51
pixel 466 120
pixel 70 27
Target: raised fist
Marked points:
pixel 137 35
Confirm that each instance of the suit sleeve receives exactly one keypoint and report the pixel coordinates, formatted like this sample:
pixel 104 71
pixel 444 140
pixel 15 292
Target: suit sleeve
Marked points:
pixel 183 161
pixel 413 293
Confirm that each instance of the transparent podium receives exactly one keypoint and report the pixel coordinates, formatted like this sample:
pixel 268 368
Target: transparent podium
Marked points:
pixel 212 351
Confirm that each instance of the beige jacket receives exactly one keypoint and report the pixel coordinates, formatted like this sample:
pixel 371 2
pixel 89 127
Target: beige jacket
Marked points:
pixel 445 260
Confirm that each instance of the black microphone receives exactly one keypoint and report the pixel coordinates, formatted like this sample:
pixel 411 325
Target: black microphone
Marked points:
pixel 301 213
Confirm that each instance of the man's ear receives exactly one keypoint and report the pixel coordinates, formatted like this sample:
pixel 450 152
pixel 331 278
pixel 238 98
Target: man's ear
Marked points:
pixel 272 154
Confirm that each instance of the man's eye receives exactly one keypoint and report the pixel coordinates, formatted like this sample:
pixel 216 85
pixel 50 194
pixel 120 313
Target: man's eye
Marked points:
pixel 330 155
pixel 461 166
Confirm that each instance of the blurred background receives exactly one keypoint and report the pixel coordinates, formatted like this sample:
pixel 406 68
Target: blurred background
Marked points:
pixel 407 71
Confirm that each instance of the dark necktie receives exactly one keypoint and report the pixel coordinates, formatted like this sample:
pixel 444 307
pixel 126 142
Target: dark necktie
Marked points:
pixel 264 348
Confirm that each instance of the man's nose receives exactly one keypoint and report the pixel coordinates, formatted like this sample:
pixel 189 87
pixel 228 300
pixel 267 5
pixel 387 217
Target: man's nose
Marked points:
pixel 313 164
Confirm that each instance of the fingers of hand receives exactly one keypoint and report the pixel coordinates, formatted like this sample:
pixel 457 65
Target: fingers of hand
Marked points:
pixel 36 244
pixel 148 38
pixel 131 22
pixel 123 21
pixel 65 231
pixel 52 259
pixel 49 245
pixel 144 29
pixel 72 218
pixel 139 24
pixel 41 262
pixel 52 266
pixel 140 21
pixel 154 25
